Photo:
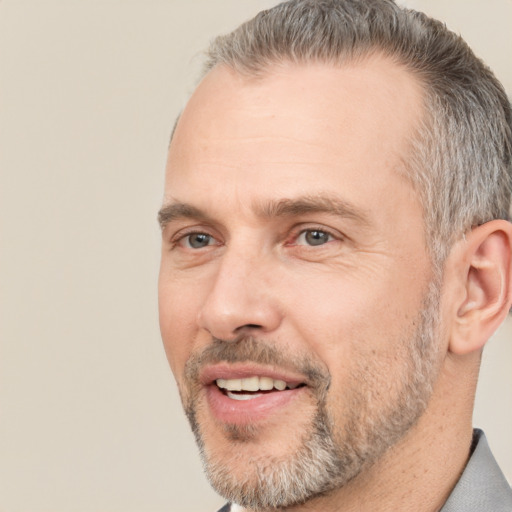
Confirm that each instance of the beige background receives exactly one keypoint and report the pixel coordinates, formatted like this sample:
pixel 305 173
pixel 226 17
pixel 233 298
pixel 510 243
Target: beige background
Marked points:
pixel 89 89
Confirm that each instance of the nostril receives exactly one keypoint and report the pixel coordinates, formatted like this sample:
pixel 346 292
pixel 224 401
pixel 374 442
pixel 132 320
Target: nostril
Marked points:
pixel 249 326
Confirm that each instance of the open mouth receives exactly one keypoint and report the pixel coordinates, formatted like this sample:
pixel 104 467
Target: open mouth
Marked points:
pixel 248 388
pixel 246 393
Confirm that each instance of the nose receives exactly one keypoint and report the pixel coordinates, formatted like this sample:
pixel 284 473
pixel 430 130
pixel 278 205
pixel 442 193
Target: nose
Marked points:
pixel 242 299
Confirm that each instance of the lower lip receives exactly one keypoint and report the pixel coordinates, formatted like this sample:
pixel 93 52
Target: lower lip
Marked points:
pixel 243 412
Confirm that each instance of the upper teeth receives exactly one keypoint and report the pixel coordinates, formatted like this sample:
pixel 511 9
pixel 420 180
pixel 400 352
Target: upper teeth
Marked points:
pixel 254 384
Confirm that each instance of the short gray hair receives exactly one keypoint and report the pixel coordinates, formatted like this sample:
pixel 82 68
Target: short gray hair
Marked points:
pixel 460 160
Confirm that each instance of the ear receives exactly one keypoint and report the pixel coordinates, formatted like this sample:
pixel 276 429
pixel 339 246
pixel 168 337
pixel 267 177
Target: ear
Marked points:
pixel 484 273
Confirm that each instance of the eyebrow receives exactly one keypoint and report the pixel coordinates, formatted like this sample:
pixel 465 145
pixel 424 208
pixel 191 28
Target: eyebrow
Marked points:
pixel 272 209
pixel 312 204
pixel 174 211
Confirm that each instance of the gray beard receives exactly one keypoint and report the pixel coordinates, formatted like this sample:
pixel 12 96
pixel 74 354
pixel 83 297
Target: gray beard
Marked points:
pixel 329 455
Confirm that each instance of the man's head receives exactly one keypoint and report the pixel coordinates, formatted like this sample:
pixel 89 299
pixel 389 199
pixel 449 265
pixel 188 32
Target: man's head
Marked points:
pixel 318 187
pixel 464 103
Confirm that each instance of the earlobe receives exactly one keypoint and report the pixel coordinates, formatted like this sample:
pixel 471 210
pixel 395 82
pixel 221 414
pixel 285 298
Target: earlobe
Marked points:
pixel 486 281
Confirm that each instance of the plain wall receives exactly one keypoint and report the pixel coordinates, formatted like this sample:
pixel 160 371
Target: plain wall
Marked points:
pixel 89 90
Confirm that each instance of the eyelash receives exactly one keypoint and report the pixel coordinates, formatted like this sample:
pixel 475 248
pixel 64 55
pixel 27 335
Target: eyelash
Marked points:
pixel 296 234
pixel 182 236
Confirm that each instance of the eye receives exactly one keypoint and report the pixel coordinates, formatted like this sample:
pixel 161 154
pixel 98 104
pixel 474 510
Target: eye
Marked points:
pixel 197 240
pixel 314 237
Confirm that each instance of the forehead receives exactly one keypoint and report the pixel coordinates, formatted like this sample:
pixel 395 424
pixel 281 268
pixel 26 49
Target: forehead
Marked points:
pixel 313 126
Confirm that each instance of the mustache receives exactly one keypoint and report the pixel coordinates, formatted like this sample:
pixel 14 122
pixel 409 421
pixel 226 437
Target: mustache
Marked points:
pixel 250 349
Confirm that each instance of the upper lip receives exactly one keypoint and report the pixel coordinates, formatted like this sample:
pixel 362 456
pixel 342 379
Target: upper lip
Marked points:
pixel 211 373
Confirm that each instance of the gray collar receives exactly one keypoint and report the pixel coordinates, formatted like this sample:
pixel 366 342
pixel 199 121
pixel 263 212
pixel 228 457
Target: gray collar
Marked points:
pixel 482 486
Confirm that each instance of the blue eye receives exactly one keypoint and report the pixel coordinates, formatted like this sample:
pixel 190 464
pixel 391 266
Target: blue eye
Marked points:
pixel 198 240
pixel 313 237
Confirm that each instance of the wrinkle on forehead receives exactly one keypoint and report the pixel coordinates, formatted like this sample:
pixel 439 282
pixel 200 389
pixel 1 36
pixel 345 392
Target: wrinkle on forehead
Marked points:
pixel 380 90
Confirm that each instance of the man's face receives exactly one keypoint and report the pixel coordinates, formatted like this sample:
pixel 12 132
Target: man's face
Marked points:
pixel 294 255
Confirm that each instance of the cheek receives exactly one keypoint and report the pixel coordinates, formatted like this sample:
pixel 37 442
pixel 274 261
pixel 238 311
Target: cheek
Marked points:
pixel 177 313
pixel 341 312
pixel 349 325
